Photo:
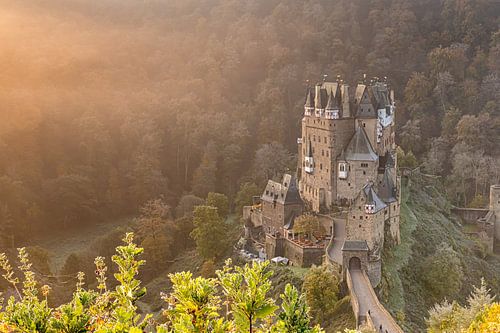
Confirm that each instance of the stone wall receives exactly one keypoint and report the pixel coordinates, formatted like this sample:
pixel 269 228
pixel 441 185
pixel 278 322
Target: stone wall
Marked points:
pixel 253 215
pixel 328 138
pixel 469 215
pixel 369 227
pixel 357 177
pixel 303 256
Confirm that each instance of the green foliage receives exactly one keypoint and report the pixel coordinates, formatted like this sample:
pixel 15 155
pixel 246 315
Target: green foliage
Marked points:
pixel 444 263
pixel 452 317
pixel 246 290
pixel 245 196
pixel 321 289
pixel 210 232
pixel 309 225
pixel 295 315
pixel 219 201
pixel 194 305
pixel 406 160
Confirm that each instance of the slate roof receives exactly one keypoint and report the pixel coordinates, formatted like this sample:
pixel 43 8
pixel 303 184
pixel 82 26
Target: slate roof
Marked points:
pixel 355 245
pixel 359 148
pixel 285 192
pixel 332 102
pixel 309 98
pixel 387 189
pixel 372 198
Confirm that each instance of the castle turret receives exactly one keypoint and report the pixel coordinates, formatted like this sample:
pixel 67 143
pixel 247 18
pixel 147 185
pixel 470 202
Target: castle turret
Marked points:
pixel 319 100
pixel 495 208
pixel 332 107
pixel 309 104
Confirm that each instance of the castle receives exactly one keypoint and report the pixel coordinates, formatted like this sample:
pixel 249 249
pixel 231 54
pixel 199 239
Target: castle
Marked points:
pixel 346 162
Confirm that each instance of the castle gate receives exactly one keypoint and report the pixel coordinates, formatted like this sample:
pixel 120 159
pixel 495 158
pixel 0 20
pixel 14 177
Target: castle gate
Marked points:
pixel 354 263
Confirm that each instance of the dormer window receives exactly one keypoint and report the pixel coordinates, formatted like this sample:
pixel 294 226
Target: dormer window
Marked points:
pixel 369 208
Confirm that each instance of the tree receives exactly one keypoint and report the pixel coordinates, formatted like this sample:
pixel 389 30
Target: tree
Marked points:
pixel 452 317
pixel 271 161
pixel 186 205
pixel 156 231
pixel 444 262
pixel 210 232
pixel 307 224
pixel 245 195
pixel 204 177
pixel 246 289
pixel 295 315
pixel 219 201
pixel 321 289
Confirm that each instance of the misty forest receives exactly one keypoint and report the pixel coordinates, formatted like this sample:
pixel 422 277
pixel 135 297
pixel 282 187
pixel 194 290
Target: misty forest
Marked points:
pixel 133 134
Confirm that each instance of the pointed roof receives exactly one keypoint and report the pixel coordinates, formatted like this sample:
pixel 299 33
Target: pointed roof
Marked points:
pixel 309 98
pixel 292 194
pixel 372 198
pixel 285 192
pixel 332 103
pixel 359 148
pixel 387 189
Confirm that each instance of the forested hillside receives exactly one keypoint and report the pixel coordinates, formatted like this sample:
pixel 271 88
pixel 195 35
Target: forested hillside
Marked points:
pixel 108 104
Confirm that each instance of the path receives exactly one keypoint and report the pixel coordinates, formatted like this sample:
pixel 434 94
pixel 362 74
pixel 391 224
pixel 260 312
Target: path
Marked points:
pixel 335 249
pixel 368 301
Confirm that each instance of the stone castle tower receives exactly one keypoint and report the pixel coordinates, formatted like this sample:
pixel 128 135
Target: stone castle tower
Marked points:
pixel 346 160
pixel 347 139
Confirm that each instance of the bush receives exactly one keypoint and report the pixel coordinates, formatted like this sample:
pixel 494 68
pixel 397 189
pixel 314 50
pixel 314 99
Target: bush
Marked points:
pixel 194 305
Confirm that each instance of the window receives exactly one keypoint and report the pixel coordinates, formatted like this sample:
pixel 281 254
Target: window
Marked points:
pixel 354 217
pixel 364 125
pixel 327 154
pixel 364 165
pixel 325 139
pixel 321 166
pixel 364 172
pixel 342 167
pixel 314 138
pixel 322 152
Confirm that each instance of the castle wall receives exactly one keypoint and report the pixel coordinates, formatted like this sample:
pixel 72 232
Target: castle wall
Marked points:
pixel 328 138
pixel 393 221
pixel 374 271
pixel 495 208
pixel 302 256
pixel 275 215
pixel 358 174
pixel 274 246
pixel 369 227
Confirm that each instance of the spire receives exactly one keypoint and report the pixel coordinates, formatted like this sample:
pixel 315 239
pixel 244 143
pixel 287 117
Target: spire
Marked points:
pixel 332 103
pixel 309 103
pixel 309 98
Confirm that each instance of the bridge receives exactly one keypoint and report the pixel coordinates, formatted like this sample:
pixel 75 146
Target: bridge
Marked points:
pixel 366 306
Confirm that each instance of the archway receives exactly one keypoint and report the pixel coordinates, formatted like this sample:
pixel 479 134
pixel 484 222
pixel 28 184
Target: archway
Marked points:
pixel 354 263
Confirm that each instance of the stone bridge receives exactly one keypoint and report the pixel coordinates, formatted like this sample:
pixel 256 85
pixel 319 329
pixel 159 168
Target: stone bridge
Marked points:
pixel 365 304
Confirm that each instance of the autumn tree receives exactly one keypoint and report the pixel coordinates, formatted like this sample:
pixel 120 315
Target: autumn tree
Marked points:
pixel 321 289
pixel 308 225
pixel 156 231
